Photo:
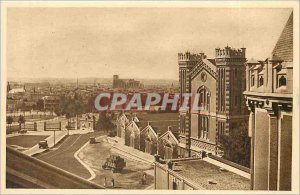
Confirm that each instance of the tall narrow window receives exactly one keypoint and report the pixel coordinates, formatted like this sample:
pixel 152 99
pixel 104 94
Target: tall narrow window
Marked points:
pixel 261 81
pixel 204 98
pixel 252 80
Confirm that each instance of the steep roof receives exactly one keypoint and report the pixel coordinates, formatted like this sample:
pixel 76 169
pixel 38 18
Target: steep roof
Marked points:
pixel 284 46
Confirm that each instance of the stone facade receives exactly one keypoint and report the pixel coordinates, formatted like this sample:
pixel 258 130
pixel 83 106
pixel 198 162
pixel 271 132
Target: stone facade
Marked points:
pixel 168 146
pixel 121 123
pixel 146 139
pixel 269 95
pixel 220 83
pixel 132 135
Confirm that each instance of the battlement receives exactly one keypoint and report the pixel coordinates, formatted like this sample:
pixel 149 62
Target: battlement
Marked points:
pixel 187 56
pixel 229 52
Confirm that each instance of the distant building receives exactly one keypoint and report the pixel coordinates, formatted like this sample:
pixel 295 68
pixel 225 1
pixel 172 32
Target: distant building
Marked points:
pixel 269 93
pixel 125 83
pixel 220 82
pixel 51 102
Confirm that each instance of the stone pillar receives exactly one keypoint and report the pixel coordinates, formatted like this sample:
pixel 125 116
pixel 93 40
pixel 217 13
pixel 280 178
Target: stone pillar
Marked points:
pixel 248 81
pixel 251 134
pixel 269 77
pixel 273 150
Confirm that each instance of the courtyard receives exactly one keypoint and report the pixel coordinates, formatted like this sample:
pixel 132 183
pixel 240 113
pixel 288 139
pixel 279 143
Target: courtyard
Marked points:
pixel 94 155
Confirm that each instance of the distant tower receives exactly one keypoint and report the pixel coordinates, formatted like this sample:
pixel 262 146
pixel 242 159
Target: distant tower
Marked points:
pixel 24 87
pixel 230 86
pixel 115 81
pixel 8 87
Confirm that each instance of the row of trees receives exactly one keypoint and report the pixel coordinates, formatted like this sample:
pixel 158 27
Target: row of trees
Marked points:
pixel 70 107
pixel 10 119
pixel 105 122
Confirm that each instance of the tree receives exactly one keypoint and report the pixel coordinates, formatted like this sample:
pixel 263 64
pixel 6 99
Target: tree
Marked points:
pixel 40 104
pixel 104 122
pixel 21 119
pixel 237 145
pixel 71 107
pixel 9 120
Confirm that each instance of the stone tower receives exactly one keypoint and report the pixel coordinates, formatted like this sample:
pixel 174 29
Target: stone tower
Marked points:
pixel 115 80
pixel 231 107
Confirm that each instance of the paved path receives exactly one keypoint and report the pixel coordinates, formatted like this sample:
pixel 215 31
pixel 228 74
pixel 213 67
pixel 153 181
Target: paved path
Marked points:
pixel 63 157
pixel 129 151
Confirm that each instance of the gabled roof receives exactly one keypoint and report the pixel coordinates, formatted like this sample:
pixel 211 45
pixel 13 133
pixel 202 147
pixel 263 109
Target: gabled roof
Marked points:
pixel 134 124
pixel 204 64
pixel 171 134
pixel 284 46
pixel 151 129
pixel 122 116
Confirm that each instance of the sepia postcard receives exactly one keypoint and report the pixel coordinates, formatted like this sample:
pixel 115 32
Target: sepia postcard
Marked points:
pixel 141 97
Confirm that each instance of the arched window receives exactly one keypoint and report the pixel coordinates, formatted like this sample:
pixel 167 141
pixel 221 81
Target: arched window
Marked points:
pixel 282 81
pixel 204 98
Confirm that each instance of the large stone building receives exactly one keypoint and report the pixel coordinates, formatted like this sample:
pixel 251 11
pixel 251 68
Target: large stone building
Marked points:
pixel 269 94
pixel 220 83
pixel 125 83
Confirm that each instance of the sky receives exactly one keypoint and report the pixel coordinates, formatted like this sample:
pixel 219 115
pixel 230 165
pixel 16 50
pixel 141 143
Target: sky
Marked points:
pixel 132 42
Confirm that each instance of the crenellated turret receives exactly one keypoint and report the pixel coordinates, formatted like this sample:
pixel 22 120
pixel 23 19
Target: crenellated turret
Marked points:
pixel 187 56
pixel 229 52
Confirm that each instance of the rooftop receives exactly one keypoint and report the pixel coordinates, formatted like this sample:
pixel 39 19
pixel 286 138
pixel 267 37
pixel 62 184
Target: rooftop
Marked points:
pixel 204 173
pixel 284 46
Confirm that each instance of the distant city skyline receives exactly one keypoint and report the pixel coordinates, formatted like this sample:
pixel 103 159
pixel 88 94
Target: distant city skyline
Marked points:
pixel 131 42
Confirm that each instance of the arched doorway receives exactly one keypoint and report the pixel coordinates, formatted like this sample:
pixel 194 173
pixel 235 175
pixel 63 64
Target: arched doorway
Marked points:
pixel 148 145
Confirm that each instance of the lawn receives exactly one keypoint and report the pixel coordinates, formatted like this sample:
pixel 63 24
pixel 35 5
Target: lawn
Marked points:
pixel 130 178
pixel 26 141
pixel 12 128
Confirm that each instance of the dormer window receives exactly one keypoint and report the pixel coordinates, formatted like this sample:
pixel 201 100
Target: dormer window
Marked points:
pixel 252 80
pixel 282 81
